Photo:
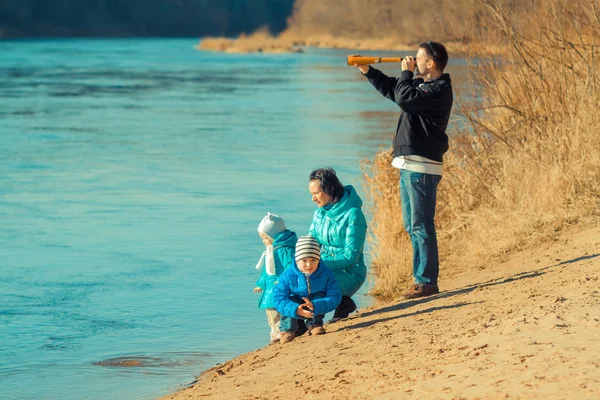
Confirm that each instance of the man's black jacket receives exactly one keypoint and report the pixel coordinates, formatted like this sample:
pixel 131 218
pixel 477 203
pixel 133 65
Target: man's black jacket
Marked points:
pixel 426 106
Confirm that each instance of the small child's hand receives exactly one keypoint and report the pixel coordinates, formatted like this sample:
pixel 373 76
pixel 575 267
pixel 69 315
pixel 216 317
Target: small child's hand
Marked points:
pixel 302 311
pixel 257 290
pixel 308 303
pixel 306 310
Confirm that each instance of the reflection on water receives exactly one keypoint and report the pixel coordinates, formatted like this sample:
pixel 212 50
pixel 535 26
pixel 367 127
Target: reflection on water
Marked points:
pixel 164 363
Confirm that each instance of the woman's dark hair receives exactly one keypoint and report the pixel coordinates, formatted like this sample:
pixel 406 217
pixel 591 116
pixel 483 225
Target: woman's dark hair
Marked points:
pixel 437 52
pixel 330 183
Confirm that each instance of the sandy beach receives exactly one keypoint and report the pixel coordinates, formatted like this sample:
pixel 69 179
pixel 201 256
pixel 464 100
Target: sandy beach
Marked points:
pixel 525 328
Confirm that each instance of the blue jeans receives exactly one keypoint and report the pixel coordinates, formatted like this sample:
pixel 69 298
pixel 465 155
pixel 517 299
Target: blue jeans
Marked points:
pixel 418 195
pixel 288 324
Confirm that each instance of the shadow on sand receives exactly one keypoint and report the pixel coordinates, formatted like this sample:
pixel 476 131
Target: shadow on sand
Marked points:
pixel 499 281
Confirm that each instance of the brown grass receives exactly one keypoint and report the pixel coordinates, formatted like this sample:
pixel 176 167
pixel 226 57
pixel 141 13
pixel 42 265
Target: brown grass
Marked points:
pixel 263 42
pixel 260 41
pixel 364 25
pixel 527 165
pixel 401 21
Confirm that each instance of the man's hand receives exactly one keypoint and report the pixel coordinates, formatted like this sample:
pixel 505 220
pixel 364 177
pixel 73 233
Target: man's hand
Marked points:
pixel 363 68
pixel 306 310
pixel 408 64
pixel 257 290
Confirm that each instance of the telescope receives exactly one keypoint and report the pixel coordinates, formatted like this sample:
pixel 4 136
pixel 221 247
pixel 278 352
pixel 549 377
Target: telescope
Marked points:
pixel 360 60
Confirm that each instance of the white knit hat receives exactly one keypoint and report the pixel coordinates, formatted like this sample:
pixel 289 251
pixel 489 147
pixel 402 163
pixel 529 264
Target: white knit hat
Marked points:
pixel 271 225
pixel 307 246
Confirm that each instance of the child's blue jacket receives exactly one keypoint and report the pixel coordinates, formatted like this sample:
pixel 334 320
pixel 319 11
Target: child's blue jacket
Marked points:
pixel 294 282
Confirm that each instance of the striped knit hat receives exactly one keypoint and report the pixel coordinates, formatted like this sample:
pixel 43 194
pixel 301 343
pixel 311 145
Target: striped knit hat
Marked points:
pixel 307 246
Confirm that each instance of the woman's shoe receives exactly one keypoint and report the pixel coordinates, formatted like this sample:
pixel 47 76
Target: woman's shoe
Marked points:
pixel 350 304
pixel 347 306
pixel 302 328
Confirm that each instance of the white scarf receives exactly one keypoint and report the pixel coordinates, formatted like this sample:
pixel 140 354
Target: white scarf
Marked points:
pixel 267 260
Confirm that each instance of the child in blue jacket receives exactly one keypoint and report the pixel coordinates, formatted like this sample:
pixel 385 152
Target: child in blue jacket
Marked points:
pixel 307 290
pixel 280 243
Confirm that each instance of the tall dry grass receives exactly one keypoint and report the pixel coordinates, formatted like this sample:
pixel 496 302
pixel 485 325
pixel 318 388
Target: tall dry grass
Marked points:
pixel 366 25
pixel 400 21
pixel 528 163
pixel 260 41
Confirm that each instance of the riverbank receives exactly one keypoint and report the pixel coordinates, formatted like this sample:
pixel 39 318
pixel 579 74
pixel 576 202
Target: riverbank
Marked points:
pixel 524 328
pixel 261 42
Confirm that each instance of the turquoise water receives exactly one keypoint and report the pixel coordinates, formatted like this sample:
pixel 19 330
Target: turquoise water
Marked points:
pixel 133 175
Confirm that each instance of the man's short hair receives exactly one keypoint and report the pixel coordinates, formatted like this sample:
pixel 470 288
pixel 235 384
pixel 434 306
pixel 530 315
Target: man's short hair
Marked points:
pixel 437 52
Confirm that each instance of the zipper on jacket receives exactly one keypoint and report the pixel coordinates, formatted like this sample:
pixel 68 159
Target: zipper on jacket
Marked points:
pixel 307 276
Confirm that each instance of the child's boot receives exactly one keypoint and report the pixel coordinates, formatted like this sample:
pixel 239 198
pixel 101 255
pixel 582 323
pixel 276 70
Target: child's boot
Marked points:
pixel 317 330
pixel 287 337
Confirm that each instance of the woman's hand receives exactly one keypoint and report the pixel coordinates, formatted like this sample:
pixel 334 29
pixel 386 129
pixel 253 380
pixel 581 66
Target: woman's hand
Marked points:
pixel 257 290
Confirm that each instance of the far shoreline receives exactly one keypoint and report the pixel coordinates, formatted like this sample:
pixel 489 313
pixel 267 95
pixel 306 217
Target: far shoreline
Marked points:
pixel 286 43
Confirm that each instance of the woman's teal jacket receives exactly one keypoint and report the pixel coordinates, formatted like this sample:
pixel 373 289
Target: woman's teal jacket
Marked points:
pixel 341 228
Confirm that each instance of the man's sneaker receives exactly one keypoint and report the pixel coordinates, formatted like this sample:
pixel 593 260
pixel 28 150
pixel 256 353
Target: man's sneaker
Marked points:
pixel 317 330
pixel 417 291
pixel 287 337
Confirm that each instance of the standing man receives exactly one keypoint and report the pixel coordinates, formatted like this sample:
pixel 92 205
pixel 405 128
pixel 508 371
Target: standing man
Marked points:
pixel 419 146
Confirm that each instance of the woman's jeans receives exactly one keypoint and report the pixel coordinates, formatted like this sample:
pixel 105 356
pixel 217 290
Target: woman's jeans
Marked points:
pixel 418 196
pixel 287 324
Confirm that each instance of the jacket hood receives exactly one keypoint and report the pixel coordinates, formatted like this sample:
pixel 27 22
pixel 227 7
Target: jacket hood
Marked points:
pixel 349 200
pixel 286 238
pixel 444 79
